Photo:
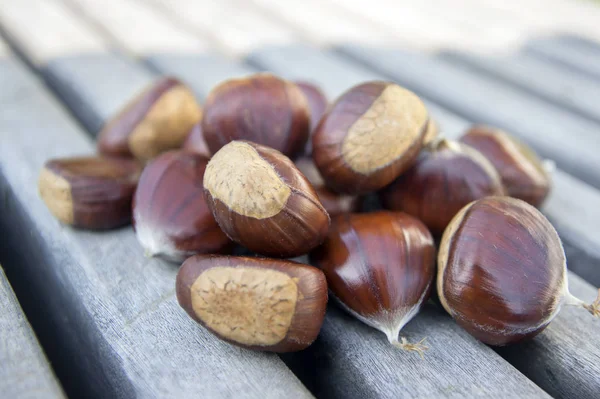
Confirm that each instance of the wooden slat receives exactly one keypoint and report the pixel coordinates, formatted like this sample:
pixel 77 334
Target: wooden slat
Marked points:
pixel 137 28
pixel 334 75
pixel 360 362
pixel 24 370
pixel 577 225
pixel 234 29
pixel 481 99
pixel 574 92
pixel 48 30
pixel 112 311
pixel 580 59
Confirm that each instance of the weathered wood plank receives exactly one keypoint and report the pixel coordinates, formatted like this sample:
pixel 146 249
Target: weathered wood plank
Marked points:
pixel 579 59
pixel 480 99
pixel 114 311
pixel 137 28
pixel 47 30
pixel 574 92
pixel 333 74
pixel 577 225
pixel 245 29
pixel 25 371
pixel 351 349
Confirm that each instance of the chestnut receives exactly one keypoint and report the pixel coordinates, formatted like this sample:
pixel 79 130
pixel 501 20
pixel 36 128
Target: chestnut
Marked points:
pixel 368 137
pixel 195 141
pixel 261 108
pixel 334 203
pixel 523 173
pixel 170 215
pixel 317 104
pixel 381 268
pixel 502 271
pixel 447 176
pixel 431 133
pixel 262 201
pixel 89 192
pixel 263 304
pixel 157 120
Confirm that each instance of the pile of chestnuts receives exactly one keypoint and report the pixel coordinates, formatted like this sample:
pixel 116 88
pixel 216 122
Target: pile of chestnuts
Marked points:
pixel 267 167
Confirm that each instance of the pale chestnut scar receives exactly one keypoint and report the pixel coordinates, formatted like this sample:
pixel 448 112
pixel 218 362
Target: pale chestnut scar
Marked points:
pixel 247 305
pixel 526 160
pixel 167 123
pixel 391 125
pixel 56 193
pixel 245 182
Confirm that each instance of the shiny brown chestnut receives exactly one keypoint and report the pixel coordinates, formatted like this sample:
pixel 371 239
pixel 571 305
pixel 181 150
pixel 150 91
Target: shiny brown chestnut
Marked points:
pixel 170 215
pixel 262 304
pixel 381 268
pixel 369 136
pixel 195 141
pixel 261 108
pixel 317 104
pixel 262 201
pixel 334 203
pixel 502 271
pixel 90 192
pixel 157 120
pixel 447 176
pixel 523 174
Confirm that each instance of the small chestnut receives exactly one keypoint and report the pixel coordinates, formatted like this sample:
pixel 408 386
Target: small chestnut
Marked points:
pixel 262 201
pixel 261 108
pixel 381 268
pixel 369 136
pixel 90 192
pixel 195 141
pixel 317 104
pixel 170 215
pixel 262 304
pixel 523 173
pixel 157 120
pixel 334 203
pixel 447 176
pixel 502 271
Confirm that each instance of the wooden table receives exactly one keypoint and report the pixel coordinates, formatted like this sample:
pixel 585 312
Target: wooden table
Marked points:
pixel 107 317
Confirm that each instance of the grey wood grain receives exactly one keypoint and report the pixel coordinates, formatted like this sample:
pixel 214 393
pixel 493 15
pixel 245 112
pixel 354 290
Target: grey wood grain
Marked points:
pixel 25 372
pixel 113 311
pixel 555 133
pixel 568 53
pixel 341 363
pixel 575 92
pixel 334 75
pixel 577 226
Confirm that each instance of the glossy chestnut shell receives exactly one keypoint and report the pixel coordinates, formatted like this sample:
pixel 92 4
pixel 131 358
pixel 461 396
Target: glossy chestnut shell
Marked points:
pixel 262 304
pixel 501 270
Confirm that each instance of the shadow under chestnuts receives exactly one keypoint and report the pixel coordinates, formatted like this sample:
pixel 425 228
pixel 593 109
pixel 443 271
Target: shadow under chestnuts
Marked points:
pixel 241 173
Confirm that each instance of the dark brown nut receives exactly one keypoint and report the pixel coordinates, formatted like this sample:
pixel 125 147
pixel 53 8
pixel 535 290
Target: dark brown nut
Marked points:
pixel 522 172
pixel 261 108
pixel 262 304
pixel 157 120
pixel 447 176
pixel 334 203
pixel 195 141
pixel 502 271
pixel 381 267
pixel 432 132
pixel 170 214
pixel 317 103
pixel 90 192
pixel 262 201
pixel 368 137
